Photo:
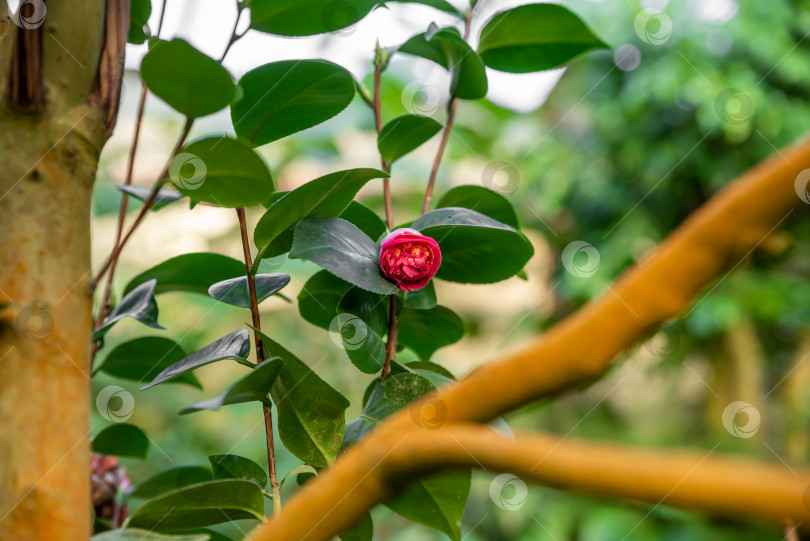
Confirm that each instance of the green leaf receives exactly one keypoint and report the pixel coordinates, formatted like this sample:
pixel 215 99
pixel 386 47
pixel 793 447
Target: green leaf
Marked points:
pixel 234 346
pixel 139 304
pixel 447 48
pixel 253 387
pixel 404 134
pixel 475 248
pixel 138 534
pixel 139 12
pixel 282 98
pixel 189 272
pixel 311 414
pixel 306 17
pixel 140 358
pixel 191 82
pixel 164 198
pixel 236 292
pixel 425 331
pixel 168 480
pixel 326 196
pixel 299 470
pixel 362 530
pixel 421 367
pixel 481 200
pixel 221 171
pixel 121 440
pixel 342 249
pixel 318 299
pixel 362 321
pixel 437 501
pixel 197 506
pixel 364 218
pixel 237 467
pixel 441 5
pixel 422 299
pixel 535 37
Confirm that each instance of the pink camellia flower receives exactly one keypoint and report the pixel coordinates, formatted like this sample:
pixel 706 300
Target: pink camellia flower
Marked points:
pixel 409 258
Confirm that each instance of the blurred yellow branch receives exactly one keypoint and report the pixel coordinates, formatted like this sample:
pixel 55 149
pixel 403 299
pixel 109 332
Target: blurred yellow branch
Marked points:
pixel 714 240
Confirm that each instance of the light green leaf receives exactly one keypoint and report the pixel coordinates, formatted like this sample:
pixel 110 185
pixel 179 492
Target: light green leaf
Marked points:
pixel 189 272
pixel 404 134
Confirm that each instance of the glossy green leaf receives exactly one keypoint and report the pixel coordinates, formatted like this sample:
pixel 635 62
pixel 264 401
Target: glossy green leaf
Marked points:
pixel 303 469
pixel 342 249
pixel 142 358
pixel 437 501
pixel 234 346
pixel 365 219
pixel 311 414
pixel 191 82
pixel 197 506
pixel 253 387
pixel 441 5
pixel 326 196
pixel 237 467
pixel 535 37
pixel 138 534
pixel 421 367
pixel 121 440
pixel 475 248
pixel 362 530
pixel 306 17
pixel 318 299
pixel 421 299
pixel 139 304
pixel 481 200
pixel 362 321
pixel 447 48
pixel 404 134
pixel 139 12
pixel 194 273
pixel 221 171
pixel 164 198
pixel 236 292
pixel 425 331
pixel 282 98
pixel 169 480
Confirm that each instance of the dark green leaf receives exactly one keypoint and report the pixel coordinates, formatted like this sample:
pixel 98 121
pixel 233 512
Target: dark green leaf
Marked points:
pixel 426 366
pixel 121 440
pixel 364 218
pixel 475 248
pixel 303 469
pixel 169 480
pixel 326 196
pixel 237 467
pixel 143 357
pixel 253 387
pixel 438 4
pixel 535 37
pixel 190 272
pixel 197 506
pixel 311 414
pixel 282 98
pixel 235 346
pixel 138 534
pixel 404 134
pixel 421 299
pixel 361 322
pixel 235 291
pixel 362 530
pixel 191 82
pixel 139 12
pixel 164 198
pixel 306 17
pixel 425 331
pixel 437 501
pixel 318 300
pixel 481 200
pixel 342 249
pixel 139 304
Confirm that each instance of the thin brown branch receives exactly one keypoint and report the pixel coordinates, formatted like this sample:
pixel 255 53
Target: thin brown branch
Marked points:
pixel 375 105
pixel 391 342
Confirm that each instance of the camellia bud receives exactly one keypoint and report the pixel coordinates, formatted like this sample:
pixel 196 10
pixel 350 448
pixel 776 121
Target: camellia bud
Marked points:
pixel 107 479
pixel 409 258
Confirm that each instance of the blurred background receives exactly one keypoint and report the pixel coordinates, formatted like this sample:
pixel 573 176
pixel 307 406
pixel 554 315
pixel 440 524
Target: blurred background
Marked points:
pixel 604 158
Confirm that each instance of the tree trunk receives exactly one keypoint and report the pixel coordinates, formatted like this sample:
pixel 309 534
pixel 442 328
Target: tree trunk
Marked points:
pixel 58 81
